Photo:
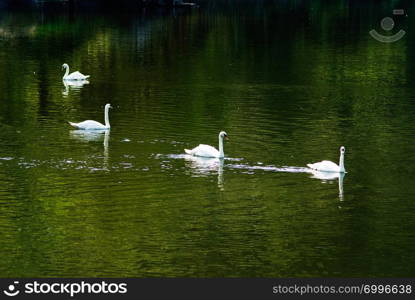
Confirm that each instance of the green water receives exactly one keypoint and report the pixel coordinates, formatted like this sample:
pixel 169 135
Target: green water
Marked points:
pixel 290 84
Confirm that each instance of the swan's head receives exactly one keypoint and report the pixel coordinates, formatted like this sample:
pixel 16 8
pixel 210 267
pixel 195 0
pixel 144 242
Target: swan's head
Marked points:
pixel 223 135
pixel 107 106
pixel 342 149
pixel 65 66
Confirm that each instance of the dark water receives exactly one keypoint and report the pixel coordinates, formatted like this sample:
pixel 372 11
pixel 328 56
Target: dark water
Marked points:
pixel 290 83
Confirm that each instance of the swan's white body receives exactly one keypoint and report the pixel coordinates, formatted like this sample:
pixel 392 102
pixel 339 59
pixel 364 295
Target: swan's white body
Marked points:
pixel 207 150
pixel 73 76
pixel 94 125
pixel 329 166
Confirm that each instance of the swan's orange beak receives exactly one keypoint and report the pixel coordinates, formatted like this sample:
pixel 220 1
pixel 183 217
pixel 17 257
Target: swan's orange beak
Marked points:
pixel 226 138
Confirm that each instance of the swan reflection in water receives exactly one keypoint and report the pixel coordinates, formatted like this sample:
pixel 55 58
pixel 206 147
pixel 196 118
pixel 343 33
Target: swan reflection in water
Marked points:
pixel 206 166
pixel 75 85
pixel 94 136
pixel 330 176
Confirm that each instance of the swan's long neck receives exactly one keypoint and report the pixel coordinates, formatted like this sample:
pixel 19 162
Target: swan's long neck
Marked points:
pixel 221 154
pixel 66 71
pixel 107 119
pixel 341 163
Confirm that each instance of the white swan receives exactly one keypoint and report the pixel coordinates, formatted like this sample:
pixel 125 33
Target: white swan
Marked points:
pixel 73 76
pixel 94 125
pixel 329 166
pixel 209 151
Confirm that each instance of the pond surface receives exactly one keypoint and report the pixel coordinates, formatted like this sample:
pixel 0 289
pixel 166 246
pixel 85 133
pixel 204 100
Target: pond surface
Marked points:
pixel 289 83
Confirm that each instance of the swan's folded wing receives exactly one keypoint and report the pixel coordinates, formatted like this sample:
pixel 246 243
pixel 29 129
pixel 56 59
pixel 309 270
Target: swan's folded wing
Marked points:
pixel 204 150
pixel 89 125
pixel 324 165
pixel 76 76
